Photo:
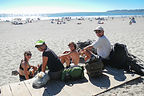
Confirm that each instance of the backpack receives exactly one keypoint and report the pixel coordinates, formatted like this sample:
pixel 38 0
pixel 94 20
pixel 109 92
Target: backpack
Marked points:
pixel 118 57
pixel 73 73
pixel 81 45
pixel 94 67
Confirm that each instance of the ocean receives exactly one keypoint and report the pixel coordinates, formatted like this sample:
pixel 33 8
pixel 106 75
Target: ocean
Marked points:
pixel 72 14
pixel 91 14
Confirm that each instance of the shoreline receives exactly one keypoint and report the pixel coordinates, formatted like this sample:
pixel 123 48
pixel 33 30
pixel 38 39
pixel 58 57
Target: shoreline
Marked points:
pixel 10 18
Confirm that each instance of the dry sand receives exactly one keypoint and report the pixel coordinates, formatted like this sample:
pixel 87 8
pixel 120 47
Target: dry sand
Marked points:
pixel 15 39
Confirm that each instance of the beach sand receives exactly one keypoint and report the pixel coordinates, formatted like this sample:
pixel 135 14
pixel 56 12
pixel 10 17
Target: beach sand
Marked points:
pixel 15 39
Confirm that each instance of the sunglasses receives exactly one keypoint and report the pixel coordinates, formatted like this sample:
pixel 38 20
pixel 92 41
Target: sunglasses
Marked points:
pixel 29 54
pixel 38 46
pixel 97 31
pixel 70 46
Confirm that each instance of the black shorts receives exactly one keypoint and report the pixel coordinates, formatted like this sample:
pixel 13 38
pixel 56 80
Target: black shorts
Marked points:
pixel 22 78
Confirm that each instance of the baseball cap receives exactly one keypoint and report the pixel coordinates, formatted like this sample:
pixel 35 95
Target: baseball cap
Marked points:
pixel 39 42
pixel 99 28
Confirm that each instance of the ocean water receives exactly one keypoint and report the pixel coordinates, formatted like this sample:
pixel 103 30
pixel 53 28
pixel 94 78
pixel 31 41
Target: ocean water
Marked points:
pixel 73 14
pixel 91 14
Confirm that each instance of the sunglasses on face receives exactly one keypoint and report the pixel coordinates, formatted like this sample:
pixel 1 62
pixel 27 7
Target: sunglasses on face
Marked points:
pixel 70 46
pixel 29 54
pixel 38 46
pixel 98 31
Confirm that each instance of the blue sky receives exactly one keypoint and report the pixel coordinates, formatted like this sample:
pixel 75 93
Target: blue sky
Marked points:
pixel 56 6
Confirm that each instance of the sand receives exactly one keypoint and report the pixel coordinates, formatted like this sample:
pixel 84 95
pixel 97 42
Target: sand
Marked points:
pixel 15 39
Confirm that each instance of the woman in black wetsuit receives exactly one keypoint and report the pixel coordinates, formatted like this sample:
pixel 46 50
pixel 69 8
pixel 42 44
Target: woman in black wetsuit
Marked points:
pixel 26 71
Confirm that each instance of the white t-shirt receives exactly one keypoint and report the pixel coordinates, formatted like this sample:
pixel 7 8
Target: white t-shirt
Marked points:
pixel 103 47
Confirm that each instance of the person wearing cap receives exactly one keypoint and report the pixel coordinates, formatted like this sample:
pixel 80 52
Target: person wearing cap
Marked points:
pixel 26 71
pixel 71 55
pixel 49 59
pixel 102 45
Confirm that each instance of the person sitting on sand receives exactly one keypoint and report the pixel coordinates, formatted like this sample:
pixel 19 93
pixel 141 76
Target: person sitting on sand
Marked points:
pixel 132 20
pixel 67 56
pixel 102 45
pixel 49 59
pixel 26 71
pixel 100 22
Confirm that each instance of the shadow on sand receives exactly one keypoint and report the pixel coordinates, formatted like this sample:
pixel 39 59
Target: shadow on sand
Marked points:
pixel 102 81
pixel 117 73
pixel 54 87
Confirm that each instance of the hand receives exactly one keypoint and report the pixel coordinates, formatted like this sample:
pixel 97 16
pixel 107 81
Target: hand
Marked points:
pixel 41 74
pixel 81 52
pixel 38 65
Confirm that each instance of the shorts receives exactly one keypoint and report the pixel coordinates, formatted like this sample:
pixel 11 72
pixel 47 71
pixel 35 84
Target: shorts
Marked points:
pixel 22 78
pixel 55 75
pixel 93 57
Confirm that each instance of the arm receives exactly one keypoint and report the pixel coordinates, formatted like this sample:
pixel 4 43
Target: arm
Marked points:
pixel 88 48
pixel 34 67
pixel 45 59
pixel 66 52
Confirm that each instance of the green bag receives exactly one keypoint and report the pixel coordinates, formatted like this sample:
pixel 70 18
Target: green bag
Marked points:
pixel 73 73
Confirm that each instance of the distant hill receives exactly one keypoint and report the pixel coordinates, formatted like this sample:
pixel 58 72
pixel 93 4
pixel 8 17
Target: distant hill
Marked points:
pixel 134 10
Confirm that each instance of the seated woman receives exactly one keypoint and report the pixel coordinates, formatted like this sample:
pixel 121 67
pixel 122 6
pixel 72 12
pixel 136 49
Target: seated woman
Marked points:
pixel 70 55
pixel 26 71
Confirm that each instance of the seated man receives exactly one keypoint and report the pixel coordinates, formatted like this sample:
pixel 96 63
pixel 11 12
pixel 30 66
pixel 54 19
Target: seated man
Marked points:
pixel 70 55
pixel 50 61
pixel 102 45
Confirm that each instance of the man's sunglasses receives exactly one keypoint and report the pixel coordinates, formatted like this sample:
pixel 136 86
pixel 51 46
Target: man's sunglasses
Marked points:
pixel 98 31
pixel 38 46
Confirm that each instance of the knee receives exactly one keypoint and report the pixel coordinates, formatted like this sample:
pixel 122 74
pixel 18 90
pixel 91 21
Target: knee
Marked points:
pixel 88 54
pixel 64 58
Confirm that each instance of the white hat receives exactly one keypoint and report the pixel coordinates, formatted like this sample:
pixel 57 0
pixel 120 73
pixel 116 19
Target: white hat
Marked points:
pixel 99 28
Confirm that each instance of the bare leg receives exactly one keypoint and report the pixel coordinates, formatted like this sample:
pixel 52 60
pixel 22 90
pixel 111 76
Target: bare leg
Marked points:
pixel 65 59
pixel 62 58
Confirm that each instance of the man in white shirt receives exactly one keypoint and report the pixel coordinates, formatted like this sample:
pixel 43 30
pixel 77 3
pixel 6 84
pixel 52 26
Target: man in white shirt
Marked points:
pixel 102 45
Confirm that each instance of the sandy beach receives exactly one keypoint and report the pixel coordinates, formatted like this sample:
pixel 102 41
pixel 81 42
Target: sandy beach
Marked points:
pixel 15 39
